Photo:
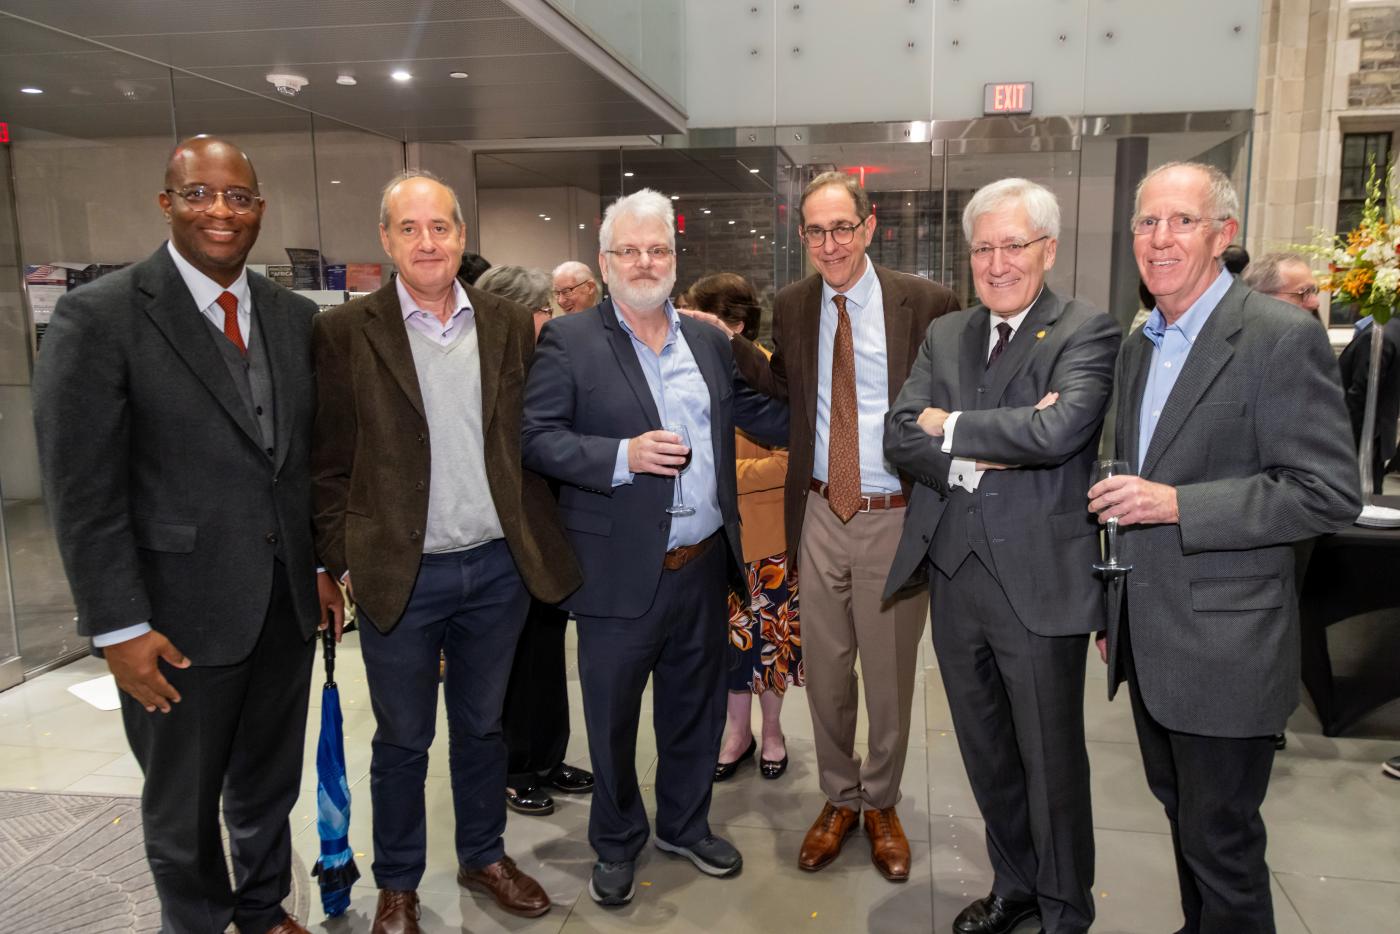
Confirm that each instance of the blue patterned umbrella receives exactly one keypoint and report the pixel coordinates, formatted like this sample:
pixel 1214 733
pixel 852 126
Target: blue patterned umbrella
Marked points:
pixel 335 870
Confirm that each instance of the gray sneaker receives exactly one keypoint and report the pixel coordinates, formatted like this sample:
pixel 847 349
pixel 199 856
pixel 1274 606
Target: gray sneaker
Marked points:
pixel 612 883
pixel 713 855
pixel 1391 767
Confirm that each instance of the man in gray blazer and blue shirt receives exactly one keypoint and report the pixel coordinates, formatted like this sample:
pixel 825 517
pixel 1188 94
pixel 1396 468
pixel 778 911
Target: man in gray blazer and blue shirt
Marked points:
pixel 1230 416
pixel 999 422
pixel 173 401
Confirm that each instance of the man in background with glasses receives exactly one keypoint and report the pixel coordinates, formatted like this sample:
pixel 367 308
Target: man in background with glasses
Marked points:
pixel 612 394
pixel 1285 276
pixel 574 287
pixel 173 403
pixel 845 339
pixel 1230 413
pixel 1020 381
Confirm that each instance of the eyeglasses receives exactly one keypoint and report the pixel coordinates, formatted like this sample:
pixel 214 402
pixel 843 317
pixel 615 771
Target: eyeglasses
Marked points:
pixel 1308 291
pixel 560 294
pixel 984 253
pixel 841 234
pixel 202 197
pixel 630 254
pixel 1177 224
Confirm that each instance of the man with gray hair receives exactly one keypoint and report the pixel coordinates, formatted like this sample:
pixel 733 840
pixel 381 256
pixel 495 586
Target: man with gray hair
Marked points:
pixel 622 401
pixel 574 287
pixel 424 514
pixel 1231 424
pixel 1285 276
pixel 1020 381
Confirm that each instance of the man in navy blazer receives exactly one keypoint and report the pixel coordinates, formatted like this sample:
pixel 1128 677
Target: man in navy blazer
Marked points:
pixel 606 389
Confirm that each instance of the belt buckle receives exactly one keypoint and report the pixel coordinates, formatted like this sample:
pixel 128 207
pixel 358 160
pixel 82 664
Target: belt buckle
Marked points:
pixel 864 503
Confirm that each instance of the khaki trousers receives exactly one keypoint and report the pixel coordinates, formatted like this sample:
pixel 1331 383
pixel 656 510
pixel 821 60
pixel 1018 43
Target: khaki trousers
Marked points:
pixel 842 570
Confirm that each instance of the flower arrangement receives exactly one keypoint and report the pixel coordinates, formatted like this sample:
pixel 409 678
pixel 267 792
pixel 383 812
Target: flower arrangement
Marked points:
pixel 1363 265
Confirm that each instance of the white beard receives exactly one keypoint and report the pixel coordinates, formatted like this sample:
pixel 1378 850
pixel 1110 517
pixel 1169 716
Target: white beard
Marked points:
pixel 644 295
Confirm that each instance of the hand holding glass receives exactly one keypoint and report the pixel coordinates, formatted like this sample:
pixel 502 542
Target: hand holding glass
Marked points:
pixel 1112 567
pixel 678 505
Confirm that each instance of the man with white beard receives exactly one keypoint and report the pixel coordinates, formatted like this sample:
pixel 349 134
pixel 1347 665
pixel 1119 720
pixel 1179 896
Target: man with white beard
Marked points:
pixel 613 394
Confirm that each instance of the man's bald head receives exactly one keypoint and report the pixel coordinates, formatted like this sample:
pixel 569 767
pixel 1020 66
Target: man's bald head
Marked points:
pixel 574 286
pixel 189 151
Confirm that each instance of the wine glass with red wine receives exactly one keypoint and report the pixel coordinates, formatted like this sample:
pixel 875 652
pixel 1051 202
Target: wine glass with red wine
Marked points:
pixel 678 505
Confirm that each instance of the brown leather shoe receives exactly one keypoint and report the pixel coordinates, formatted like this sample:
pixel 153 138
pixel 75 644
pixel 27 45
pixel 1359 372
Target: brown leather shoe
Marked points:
pixel 514 891
pixel 289 925
pixel 823 842
pixel 398 913
pixel 889 847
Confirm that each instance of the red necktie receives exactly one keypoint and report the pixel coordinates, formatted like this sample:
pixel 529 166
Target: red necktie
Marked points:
pixel 229 303
pixel 843 438
pixel 1003 338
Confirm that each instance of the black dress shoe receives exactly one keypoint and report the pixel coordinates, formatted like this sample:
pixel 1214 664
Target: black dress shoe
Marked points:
pixel 770 769
pixel 994 915
pixel 724 771
pixel 1280 741
pixel 533 801
pixel 570 780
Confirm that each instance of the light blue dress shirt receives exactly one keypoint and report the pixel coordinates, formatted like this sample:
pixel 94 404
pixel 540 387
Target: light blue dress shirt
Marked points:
pixel 428 324
pixel 1172 343
pixel 682 397
pixel 865 305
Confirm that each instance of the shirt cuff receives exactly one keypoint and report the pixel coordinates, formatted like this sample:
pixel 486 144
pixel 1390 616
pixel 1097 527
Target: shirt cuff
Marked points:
pixel 949 424
pixel 964 473
pixel 621 474
pixel 104 639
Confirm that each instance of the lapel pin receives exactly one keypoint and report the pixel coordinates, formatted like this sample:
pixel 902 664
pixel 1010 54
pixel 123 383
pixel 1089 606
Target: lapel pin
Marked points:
pixel 1040 335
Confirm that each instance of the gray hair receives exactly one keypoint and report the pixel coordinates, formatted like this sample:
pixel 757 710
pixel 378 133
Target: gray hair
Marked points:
pixel 1041 206
pixel 646 203
pixel 1222 201
pixel 574 267
pixel 528 287
pixel 1264 274
pixel 408 175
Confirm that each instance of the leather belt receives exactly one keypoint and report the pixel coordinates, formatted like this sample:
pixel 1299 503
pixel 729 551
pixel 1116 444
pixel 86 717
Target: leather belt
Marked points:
pixel 869 501
pixel 679 557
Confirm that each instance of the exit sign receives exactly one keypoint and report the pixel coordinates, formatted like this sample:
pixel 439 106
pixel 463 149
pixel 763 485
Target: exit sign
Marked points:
pixel 4 132
pixel 1012 98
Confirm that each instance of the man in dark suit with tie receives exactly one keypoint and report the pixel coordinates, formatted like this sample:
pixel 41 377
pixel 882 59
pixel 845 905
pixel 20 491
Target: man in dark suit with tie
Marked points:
pixel 1230 417
pixel 845 340
pixel 999 421
pixel 424 512
pixel 607 390
pixel 173 402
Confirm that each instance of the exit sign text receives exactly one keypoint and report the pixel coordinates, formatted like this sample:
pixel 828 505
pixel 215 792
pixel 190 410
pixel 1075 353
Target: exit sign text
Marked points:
pixel 1014 98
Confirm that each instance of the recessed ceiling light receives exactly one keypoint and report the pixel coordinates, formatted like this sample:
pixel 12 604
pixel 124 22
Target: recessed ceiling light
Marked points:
pixel 458 74
pixel 753 171
pixel 401 76
pixel 628 174
pixel 31 90
pixel 763 236
pixel 549 218
pixel 539 215
pixel 580 226
pixel 675 197
pixel 707 210
pixel 347 80
pixel 753 231
pixel 335 181
pixel 731 222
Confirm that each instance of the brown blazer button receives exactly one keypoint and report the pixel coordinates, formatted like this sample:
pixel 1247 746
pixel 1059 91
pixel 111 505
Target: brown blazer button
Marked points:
pixel 422 438
pixel 413 536
pixel 420 485
pixel 271 538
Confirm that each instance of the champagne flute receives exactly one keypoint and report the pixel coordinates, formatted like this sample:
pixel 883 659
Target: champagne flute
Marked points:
pixel 678 506
pixel 1112 567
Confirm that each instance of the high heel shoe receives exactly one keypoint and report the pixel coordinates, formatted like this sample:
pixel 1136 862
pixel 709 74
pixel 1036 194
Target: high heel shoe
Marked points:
pixel 770 769
pixel 725 770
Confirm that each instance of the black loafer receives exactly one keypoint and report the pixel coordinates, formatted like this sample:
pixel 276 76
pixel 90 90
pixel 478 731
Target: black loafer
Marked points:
pixel 994 915
pixel 570 779
pixel 770 769
pixel 1280 741
pixel 533 801
pixel 724 771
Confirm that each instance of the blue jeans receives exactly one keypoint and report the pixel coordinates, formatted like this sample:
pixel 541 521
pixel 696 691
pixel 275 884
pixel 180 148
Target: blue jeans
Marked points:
pixel 470 606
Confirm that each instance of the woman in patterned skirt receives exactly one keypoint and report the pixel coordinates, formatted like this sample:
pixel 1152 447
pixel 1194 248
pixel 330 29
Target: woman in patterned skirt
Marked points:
pixel 764 637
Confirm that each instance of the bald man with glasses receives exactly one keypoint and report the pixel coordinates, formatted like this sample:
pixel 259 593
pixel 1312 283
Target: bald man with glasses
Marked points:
pixel 575 289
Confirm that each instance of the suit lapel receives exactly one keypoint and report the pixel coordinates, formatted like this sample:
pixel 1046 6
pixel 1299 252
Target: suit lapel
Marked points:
pixel 621 344
pixel 388 335
pixel 492 331
pixel 972 359
pixel 1041 317
pixel 809 329
pixel 1137 357
pixel 1208 356
pixel 897 318
pixel 283 367
pixel 172 309
pixel 711 370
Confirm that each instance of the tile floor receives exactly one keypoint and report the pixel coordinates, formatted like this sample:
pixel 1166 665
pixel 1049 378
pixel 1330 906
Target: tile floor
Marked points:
pixel 1334 825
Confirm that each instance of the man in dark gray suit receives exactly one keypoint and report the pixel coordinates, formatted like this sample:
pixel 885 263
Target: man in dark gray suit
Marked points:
pixel 999 421
pixel 1230 415
pixel 173 401
pixel 606 391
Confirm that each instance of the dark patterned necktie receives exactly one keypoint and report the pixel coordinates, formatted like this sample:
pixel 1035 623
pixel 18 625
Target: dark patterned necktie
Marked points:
pixel 229 304
pixel 843 437
pixel 1003 338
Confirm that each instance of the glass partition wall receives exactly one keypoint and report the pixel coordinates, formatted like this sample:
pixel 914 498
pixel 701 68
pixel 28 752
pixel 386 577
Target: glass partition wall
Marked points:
pixel 81 167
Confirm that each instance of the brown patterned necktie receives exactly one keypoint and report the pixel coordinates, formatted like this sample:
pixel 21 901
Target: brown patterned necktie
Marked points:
pixel 229 303
pixel 843 437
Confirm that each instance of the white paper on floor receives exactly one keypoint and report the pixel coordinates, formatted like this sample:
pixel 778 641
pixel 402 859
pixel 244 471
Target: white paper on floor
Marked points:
pixel 99 692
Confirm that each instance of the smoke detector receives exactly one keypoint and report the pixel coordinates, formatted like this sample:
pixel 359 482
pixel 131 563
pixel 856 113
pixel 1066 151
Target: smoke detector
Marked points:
pixel 287 85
